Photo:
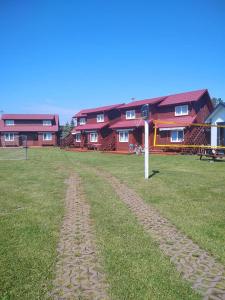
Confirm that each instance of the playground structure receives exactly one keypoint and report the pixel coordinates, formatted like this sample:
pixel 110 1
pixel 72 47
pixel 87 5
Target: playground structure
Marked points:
pixel 193 138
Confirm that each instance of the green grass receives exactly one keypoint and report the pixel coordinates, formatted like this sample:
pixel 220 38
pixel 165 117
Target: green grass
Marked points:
pixel 31 208
pixel 187 191
pixel 134 266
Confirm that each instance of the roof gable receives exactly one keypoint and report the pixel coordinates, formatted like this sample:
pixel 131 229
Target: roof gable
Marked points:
pixel 183 97
pixel 29 127
pixel 220 107
pixel 142 102
pixel 27 117
pixel 169 99
pixel 84 112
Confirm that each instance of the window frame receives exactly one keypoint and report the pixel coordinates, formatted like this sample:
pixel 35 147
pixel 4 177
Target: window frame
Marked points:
pixel 91 135
pixel 9 139
pixel 83 122
pixel 75 122
pixel 47 123
pixel 122 136
pixel 128 114
pixel 177 136
pixel 76 136
pixel 181 113
pixel 9 124
pixel 47 139
pixel 100 120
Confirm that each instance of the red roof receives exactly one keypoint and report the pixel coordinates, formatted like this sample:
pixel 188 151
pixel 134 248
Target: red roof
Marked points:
pixel 27 117
pixel 127 124
pixel 29 127
pixel 96 126
pixel 175 122
pixel 142 102
pixel 183 97
pixel 84 112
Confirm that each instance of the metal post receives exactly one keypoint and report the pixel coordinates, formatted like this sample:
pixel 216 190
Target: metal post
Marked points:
pixel 146 149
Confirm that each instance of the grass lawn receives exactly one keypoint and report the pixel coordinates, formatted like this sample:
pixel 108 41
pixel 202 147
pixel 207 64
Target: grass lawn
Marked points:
pixel 31 209
pixel 188 191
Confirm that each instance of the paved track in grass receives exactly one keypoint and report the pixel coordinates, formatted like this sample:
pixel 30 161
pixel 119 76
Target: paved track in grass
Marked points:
pixel 194 264
pixel 78 270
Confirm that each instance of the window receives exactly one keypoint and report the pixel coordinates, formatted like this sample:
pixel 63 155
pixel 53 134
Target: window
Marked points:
pixel 9 137
pixel 82 121
pixel 47 136
pixel 123 136
pixel 100 118
pixel 177 136
pixel 9 122
pixel 130 114
pixel 47 122
pixel 75 122
pixel 181 110
pixel 78 137
pixel 93 137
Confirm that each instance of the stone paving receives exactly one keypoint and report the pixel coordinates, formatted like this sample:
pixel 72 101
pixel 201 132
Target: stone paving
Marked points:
pixel 78 270
pixel 194 264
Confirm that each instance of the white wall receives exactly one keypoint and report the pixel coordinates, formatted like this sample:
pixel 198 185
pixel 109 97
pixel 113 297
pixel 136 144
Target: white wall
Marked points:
pixel 218 117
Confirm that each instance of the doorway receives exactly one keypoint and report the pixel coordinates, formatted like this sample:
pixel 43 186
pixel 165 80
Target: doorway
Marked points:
pixel 221 134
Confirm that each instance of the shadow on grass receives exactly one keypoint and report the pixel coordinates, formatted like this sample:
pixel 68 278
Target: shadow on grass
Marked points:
pixel 154 172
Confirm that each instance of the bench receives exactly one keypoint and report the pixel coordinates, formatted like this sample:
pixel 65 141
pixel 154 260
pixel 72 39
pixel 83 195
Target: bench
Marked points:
pixel 213 154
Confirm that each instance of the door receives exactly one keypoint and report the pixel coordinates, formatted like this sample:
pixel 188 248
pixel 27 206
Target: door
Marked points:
pixel 221 134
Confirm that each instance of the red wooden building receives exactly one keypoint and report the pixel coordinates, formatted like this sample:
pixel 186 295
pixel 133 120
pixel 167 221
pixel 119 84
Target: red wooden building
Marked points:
pixel 37 129
pixel 183 109
pixel 92 127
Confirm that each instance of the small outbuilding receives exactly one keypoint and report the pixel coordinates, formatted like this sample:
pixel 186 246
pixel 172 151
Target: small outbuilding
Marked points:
pixel 217 117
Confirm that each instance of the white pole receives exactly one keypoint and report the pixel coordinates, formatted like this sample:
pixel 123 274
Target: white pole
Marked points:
pixel 146 149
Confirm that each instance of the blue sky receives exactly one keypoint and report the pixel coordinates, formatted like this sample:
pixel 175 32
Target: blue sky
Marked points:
pixel 64 55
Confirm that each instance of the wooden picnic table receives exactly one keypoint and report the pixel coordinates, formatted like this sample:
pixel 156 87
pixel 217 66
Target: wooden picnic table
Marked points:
pixel 212 154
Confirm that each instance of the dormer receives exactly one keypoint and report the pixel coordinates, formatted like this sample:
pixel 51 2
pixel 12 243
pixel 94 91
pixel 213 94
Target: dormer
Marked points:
pixel 47 123
pixel 181 110
pixel 100 118
pixel 82 121
pixel 130 114
pixel 9 122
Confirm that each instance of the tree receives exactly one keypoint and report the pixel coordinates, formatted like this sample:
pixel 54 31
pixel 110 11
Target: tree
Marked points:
pixel 72 124
pixel 216 101
pixel 65 130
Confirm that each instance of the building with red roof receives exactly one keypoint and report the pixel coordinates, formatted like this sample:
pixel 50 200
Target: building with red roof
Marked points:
pixel 92 127
pixel 175 112
pixel 120 126
pixel 36 129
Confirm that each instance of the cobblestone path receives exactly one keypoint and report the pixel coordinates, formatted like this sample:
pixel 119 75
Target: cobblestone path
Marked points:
pixel 78 271
pixel 194 264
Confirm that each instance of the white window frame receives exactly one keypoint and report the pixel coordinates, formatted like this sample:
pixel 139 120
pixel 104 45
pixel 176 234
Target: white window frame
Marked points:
pixel 100 118
pixel 130 114
pixel 9 122
pixel 47 136
pixel 177 140
pixel 78 137
pixel 82 121
pixel 47 123
pixel 124 136
pixel 93 137
pixel 183 110
pixel 75 122
pixel 9 137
